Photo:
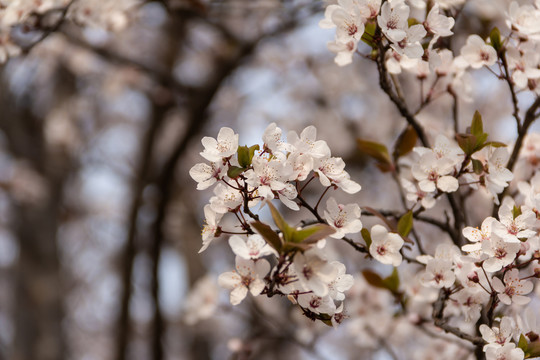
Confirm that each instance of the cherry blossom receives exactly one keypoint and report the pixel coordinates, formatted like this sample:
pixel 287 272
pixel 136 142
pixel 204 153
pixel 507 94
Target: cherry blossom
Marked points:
pixel 225 146
pixel 211 229
pixel 506 352
pixel 437 23
pixel 247 277
pixel 253 247
pixel 393 20
pixel 206 175
pixel 500 252
pixel 345 219
pixel 497 336
pixel 385 246
pixel 477 53
pixel 314 272
pixel 513 289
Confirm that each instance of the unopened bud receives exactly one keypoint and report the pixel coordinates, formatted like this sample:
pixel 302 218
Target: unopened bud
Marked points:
pixel 537 272
pixel 532 336
pixel 473 276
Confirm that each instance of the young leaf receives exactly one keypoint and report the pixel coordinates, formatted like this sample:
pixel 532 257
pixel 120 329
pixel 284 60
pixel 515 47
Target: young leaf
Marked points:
pixel 522 344
pixel 392 282
pixel 234 171
pixel 280 222
pixel 405 142
pixel 252 150
pixel 405 224
pixel 377 151
pixel 290 246
pixel 478 167
pixel 516 211
pixel 312 234
pixel 243 156
pixel 477 127
pixel 373 279
pixel 495 37
pixel 366 236
pixel 269 235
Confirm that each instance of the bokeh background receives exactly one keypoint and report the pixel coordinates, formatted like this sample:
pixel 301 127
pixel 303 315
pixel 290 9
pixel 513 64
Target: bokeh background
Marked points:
pixel 99 125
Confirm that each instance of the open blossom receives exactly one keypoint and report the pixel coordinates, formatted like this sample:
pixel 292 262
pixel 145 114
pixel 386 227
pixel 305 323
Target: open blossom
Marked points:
pixel 341 283
pixel 414 194
pixel 525 19
pixel 211 228
pixel 206 175
pixel 471 302
pixel 497 336
pixel 513 289
pixel 306 143
pixel 317 304
pixel 345 219
pixel 248 276
pixel 253 247
pixel 226 145
pixel 507 352
pixel 410 44
pixel 523 63
pixel 226 199
pixel 347 18
pixel 438 274
pixel 344 51
pixel 393 20
pixel 314 272
pixel 477 236
pixel 497 174
pixel 500 252
pixel 202 301
pixel 477 53
pixel 437 23
pixel 517 228
pixel 385 246
pixel 268 175
pixel 434 173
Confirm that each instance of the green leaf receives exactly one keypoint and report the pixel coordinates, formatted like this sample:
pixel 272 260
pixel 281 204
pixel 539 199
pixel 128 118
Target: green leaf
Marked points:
pixel 478 167
pixel 366 236
pixel 495 144
pixel 392 281
pixel 281 223
pixel 369 34
pixel 290 246
pixel 269 235
pixel 522 344
pixel 466 142
pixel 234 171
pixel 252 150
pixel 377 151
pixel 405 224
pixel 533 349
pixel 312 234
pixel 495 37
pixel 516 211
pixel 243 156
pixel 373 279
pixel 477 128
pixel 405 142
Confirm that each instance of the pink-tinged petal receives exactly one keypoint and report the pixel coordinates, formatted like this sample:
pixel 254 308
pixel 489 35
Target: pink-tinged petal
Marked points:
pixel 505 299
pixel 229 280
pixel 447 183
pixel 238 294
pixel 239 247
pixel 497 284
pixel 256 287
pixel 262 267
pixel 427 186
pixel 520 300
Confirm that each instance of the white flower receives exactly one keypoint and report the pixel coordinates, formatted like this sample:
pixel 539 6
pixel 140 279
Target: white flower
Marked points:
pixel 477 53
pixel 206 175
pixel 438 24
pixel 514 229
pixel 226 145
pixel 500 252
pixel 306 143
pixel 268 175
pixel 211 228
pixel 477 236
pixel 202 300
pixel 471 301
pixel 414 194
pixel 341 283
pixel 344 51
pixel 317 304
pixel 525 19
pixel 385 246
pixel 497 174
pixel 506 352
pixel 272 139
pixel 523 64
pixel 314 272
pixel 226 199
pixel 253 247
pixel 393 20
pixel 438 274
pixel 347 18
pixel 410 45
pixel 432 173
pixel 497 337
pixel 343 218
pixel 513 288
pixel 248 276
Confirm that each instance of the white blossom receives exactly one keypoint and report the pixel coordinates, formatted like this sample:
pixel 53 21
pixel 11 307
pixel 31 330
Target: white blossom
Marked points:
pixel 385 246
pixel 477 53
pixel 224 146
pixel 513 289
pixel 248 276
pixel 345 219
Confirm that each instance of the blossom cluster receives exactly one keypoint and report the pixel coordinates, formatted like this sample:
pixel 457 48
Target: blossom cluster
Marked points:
pixel 247 178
